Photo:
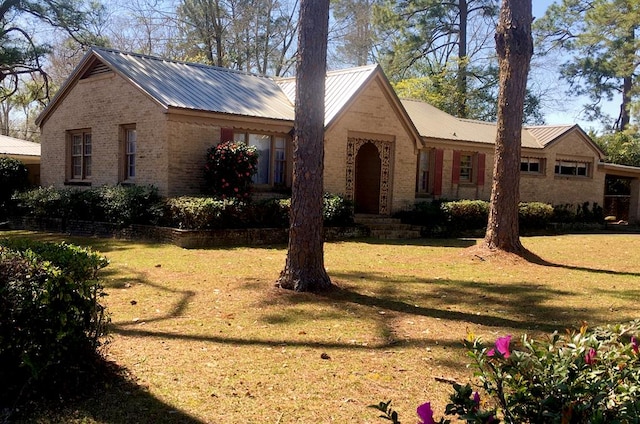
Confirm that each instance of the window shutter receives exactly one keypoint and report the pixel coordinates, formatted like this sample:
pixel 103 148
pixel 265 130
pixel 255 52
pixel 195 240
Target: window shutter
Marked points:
pixel 455 170
pixel 481 168
pixel 226 134
pixel 437 171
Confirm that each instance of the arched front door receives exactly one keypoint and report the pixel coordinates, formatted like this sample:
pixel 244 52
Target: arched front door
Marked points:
pixel 367 184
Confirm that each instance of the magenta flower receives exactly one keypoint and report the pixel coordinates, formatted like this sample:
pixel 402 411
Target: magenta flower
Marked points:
pixel 502 345
pixel 634 344
pixel 476 400
pixel 425 413
pixel 590 356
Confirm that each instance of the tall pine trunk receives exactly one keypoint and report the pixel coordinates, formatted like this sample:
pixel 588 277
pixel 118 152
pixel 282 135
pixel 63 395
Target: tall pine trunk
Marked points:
pixel 304 268
pixel 514 46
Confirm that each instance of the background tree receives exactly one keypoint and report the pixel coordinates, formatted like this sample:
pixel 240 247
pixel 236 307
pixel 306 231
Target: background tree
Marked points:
pixel 432 36
pixel 514 45
pixel 621 147
pixel 353 35
pixel 249 35
pixel 601 40
pixel 304 268
pixel 22 54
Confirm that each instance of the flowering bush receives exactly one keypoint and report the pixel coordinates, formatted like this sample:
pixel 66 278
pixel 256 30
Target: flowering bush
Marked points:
pixel 581 377
pixel 229 169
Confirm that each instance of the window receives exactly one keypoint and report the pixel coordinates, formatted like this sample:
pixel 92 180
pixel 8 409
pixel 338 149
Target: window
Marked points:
pixel 423 172
pixel 568 167
pixel 531 165
pixel 130 138
pixel 466 168
pixel 80 155
pixel 272 157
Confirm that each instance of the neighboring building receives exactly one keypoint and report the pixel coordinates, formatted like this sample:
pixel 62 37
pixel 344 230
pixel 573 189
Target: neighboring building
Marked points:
pixel 134 119
pixel 26 152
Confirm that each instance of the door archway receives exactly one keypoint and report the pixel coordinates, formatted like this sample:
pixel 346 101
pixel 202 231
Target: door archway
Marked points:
pixel 368 167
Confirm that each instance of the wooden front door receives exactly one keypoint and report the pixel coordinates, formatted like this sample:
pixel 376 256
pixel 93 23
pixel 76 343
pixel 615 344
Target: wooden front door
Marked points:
pixel 367 184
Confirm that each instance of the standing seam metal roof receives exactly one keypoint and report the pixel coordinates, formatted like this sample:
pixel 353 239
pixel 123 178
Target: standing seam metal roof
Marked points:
pixel 201 87
pixel 340 87
pixel 17 147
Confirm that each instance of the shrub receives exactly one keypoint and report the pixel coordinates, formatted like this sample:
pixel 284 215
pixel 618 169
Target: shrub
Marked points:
pixel 338 211
pixel 126 205
pixel 121 205
pixel 582 377
pixel 51 320
pixel 229 169
pixel 196 213
pixel 580 214
pixel 13 177
pixel 464 215
pixel 535 215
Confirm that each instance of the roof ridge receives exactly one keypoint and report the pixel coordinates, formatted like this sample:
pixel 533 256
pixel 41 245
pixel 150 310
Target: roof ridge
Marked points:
pixel 180 62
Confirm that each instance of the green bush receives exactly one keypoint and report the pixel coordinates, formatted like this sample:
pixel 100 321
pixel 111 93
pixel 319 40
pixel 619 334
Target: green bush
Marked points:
pixel 13 177
pixel 51 320
pixel 196 213
pixel 338 211
pixel 121 205
pixel 584 213
pixel 462 215
pixel 534 215
pixel 229 169
pixel 582 377
pixel 126 205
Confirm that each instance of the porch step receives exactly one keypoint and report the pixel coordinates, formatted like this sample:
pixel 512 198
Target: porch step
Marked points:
pixel 384 227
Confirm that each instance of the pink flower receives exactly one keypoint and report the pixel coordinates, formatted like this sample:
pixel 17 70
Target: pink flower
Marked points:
pixel 634 344
pixel 590 356
pixel 425 413
pixel 502 345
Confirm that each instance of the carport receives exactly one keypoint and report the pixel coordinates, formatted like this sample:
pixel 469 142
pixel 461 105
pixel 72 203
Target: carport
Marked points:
pixel 622 191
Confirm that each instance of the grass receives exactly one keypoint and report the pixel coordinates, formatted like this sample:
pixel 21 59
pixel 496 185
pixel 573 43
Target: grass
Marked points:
pixel 206 337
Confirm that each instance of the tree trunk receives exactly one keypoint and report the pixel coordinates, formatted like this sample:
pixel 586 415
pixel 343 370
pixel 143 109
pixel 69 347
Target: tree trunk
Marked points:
pixel 304 268
pixel 462 60
pixel 514 46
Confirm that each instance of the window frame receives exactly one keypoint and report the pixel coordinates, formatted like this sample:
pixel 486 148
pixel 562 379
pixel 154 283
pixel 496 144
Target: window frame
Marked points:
pixel 527 160
pixel 277 166
pixel 463 178
pixel 572 164
pixel 128 156
pixel 79 167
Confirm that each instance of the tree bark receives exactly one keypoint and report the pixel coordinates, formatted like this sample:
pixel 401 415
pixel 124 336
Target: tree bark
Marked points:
pixel 514 45
pixel 304 268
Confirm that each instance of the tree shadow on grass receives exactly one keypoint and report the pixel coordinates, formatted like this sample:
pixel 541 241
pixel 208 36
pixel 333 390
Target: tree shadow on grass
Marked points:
pixel 535 259
pixel 114 399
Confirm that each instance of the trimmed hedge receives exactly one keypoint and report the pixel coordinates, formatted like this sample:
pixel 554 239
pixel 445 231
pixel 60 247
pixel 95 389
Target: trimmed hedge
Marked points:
pixel 51 321
pixel 13 177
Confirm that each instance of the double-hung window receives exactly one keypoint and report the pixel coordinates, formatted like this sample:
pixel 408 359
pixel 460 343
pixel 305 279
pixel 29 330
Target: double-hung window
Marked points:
pixel 570 167
pixel 130 139
pixel 466 168
pixel 531 165
pixel 272 157
pixel 80 168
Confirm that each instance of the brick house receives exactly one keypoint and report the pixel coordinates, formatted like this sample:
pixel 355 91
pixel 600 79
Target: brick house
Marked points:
pixel 26 152
pixel 134 119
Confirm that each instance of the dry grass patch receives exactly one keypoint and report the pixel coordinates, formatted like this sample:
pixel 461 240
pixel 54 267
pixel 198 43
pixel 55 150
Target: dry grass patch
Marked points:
pixel 208 338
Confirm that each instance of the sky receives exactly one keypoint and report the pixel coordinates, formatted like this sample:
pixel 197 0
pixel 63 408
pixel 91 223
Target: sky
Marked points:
pixel 564 110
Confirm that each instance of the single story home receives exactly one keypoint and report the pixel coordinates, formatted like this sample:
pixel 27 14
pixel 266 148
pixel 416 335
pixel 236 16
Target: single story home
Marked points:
pixel 26 152
pixel 135 119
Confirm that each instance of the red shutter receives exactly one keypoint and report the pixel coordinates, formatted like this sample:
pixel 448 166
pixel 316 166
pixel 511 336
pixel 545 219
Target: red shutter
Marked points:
pixel 226 134
pixel 437 171
pixel 455 169
pixel 481 168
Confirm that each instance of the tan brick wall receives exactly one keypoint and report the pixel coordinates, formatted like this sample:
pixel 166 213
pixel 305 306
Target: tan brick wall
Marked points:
pixel 374 117
pixel 546 187
pixel 103 104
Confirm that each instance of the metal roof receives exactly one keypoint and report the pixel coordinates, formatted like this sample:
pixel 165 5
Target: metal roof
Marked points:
pixel 16 147
pixel 200 87
pixel 545 134
pixel 434 123
pixel 340 88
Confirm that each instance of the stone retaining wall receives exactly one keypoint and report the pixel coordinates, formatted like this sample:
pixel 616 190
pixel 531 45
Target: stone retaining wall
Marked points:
pixel 189 239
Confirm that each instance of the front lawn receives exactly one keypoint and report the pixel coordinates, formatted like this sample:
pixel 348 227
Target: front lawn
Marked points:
pixel 207 338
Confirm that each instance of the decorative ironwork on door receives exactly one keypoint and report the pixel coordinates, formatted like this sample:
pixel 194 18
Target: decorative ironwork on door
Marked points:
pixel 384 150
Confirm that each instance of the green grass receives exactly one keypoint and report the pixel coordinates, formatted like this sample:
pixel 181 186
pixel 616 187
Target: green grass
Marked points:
pixel 207 338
